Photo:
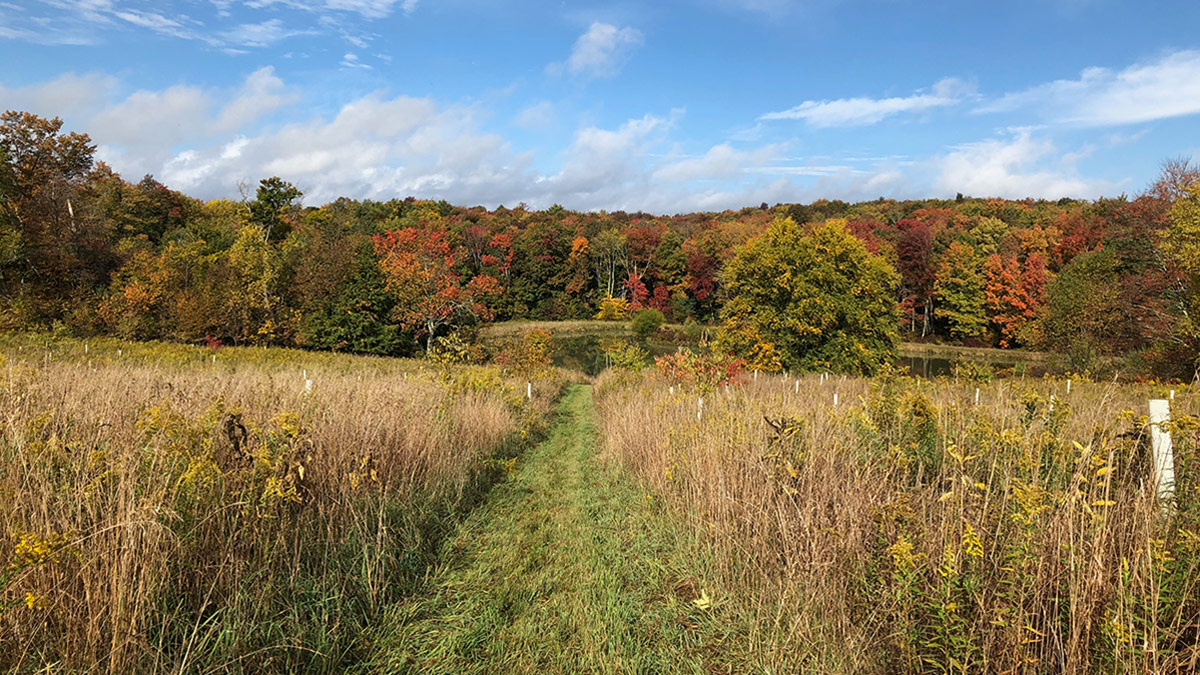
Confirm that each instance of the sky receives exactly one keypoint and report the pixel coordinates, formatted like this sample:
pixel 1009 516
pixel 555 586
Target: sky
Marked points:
pixel 666 107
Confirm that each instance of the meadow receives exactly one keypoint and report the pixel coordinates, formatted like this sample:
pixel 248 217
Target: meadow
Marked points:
pixel 910 528
pixel 180 508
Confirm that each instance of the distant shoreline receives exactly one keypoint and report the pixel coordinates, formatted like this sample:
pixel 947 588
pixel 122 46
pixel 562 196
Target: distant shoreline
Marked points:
pixel 584 327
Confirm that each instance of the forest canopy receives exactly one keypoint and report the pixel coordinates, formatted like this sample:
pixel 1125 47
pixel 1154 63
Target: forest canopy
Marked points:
pixel 85 251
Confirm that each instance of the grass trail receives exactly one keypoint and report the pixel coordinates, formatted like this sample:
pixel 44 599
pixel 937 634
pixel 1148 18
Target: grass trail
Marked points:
pixel 567 568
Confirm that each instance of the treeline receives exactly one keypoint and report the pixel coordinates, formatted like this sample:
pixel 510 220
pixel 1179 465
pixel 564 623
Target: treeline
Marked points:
pixel 84 251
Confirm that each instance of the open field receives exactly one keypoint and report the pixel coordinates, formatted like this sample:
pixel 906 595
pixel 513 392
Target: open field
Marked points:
pixel 908 529
pixel 159 511
pixel 162 512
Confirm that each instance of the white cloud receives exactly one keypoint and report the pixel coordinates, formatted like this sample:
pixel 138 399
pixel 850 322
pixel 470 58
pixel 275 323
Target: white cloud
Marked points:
pixel 257 34
pixel 204 140
pixel 261 94
pixel 537 116
pixel 1168 87
pixel 66 93
pixel 141 132
pixel 601 51
pixel 846 112
pixel 370 9
pixel 1017 167
pixel 350 60
pixel 720 162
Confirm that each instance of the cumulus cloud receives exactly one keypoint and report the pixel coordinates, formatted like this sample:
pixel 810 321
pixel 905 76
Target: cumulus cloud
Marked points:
pixel 205 140
pixel 67 92
pixel 1143 92
pixel 140 132
pixel 600 52
pixel 1016 167
pixel 846 112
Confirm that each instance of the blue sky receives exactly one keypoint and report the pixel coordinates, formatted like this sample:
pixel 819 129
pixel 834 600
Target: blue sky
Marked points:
pixel 670 106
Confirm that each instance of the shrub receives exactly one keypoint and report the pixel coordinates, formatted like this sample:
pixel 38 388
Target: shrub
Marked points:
pixel 646 323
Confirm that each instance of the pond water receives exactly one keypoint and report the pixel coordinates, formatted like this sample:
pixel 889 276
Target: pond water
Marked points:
pixel 940 366
pixel 586 353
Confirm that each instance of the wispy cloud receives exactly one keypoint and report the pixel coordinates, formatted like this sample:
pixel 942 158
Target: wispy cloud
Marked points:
pixel 350 60
pixel 257 34
pixel 600 52
pixel 847 112
pixel 1160 89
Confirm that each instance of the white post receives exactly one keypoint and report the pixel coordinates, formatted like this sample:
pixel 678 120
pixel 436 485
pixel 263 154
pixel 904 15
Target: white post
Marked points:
pixel 835 399
pixel 119 351
pixel 672 390
pixel 1068 385
pixel 976 395
pixel 305 370
pixel 1051 402
pixel 1172 394
pixel 797 386
pixel 529 390
pixel 85 348
pixel 1160 443
pixel 756 374
pixel 307 386
pixel 699 408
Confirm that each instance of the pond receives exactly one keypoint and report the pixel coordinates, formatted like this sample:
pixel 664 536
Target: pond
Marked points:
pixel 941 366
pixel 586 353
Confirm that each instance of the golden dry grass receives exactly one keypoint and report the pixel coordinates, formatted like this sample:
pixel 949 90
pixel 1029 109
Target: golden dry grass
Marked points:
pixel 909 530
pixel 161 512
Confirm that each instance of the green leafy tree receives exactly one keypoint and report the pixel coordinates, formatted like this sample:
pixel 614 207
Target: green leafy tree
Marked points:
pixel 275 207
pixel 1181 252
pixel 959 290
pixel 1083 310
pixel 359 318
pixel 813 301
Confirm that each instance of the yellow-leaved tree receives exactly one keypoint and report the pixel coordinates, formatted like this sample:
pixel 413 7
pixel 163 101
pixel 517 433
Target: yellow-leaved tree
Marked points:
pixel 810 299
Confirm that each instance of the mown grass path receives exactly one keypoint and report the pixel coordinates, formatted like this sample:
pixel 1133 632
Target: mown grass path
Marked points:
pixel 568 567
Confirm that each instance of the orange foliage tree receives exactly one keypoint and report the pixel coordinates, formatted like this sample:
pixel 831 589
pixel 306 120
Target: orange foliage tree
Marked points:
pixel 420 267
pixel 1014 294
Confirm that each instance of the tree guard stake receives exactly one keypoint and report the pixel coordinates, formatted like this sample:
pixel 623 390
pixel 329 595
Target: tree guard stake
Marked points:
pixel 1160 443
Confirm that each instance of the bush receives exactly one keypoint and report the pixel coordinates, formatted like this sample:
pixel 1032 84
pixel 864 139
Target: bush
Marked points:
pixel 613 309
pixel 647 322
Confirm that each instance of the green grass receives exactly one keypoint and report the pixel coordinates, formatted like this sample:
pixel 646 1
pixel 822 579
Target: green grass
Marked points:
pixel 568 567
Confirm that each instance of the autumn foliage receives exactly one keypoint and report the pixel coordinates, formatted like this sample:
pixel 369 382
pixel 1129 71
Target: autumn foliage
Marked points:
pixel 86 252
pixel 420 269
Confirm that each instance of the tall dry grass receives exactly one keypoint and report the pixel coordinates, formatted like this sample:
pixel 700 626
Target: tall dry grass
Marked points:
pixel 159 512
pixel 910 530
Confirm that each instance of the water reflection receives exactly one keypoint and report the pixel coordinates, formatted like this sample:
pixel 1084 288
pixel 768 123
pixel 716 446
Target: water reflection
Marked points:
pixel 940 366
